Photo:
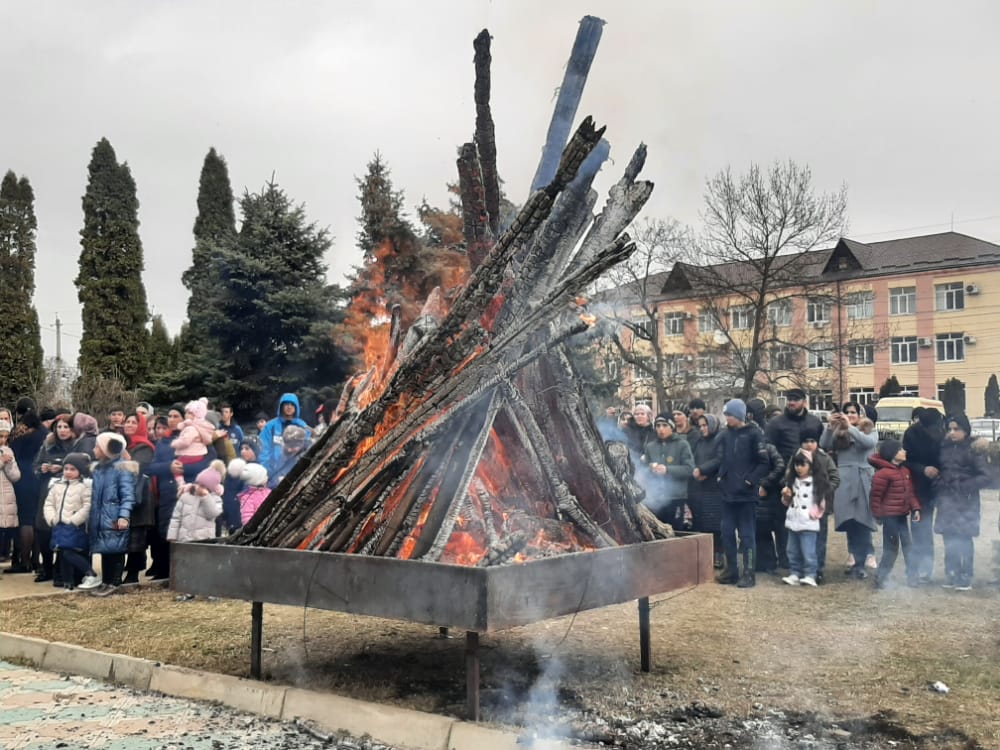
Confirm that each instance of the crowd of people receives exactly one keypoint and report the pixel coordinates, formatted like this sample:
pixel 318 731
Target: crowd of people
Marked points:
pixel 766 483
pixel 72 489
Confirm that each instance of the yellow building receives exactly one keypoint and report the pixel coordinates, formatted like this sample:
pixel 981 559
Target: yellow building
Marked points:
pixel 921 309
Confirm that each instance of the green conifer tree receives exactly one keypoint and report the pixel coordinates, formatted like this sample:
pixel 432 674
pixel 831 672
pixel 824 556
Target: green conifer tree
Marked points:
pixel 20 339
pixel 110 288
pixel 161 348
pixel 273 320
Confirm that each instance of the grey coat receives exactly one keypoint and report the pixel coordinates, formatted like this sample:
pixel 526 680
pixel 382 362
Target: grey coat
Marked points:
pixel 852 499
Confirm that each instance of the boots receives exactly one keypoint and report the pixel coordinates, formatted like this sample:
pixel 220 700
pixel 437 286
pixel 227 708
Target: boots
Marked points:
pixel 730 573
pixel 747 580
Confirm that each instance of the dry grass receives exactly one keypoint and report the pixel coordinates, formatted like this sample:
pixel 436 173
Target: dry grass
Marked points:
pixel 843 650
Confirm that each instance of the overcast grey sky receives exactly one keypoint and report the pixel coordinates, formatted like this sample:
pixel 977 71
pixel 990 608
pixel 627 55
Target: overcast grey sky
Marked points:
pixel 898 100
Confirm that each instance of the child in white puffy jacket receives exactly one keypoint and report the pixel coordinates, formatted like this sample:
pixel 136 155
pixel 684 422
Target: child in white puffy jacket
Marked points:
pixel 804 494
pixel 198 505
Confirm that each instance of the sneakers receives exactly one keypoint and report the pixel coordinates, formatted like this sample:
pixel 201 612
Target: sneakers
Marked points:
pixel 871 562
pixel 106 589
pixel 808 581
pixel 850 562
pixel 791 580
pixel 963 586
pixel 89 583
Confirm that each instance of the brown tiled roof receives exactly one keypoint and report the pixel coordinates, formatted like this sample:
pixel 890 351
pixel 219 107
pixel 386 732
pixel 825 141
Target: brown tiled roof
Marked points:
pixel 907 255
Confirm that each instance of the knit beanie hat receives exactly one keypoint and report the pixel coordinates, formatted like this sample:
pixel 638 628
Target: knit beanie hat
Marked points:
pixel 5 425
pixel 888 449
pixel 199 408
pixel 962 421
pixel 809 433
pixel 696 403
pixel 111 444
pixel 641 408
pixel 293 436
pixel 209 479
pixel 735 408
pixel 255 475
pixel 47 413
pixel 84 424
pixel 80 460
pixel 664 418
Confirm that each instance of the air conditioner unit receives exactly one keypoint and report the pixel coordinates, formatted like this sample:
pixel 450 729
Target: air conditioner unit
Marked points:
pixel 690 357
pixel 925 343
pixel 970 339
pixel 688 316
pixel 972 289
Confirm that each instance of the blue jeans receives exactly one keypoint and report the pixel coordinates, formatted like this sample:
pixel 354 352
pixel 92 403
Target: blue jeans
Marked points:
pixel 923 540
pixel 959 552
pixel 896 536
pixel 802 553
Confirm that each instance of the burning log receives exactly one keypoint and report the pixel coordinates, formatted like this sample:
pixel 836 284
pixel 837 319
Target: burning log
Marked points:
pixel 471 443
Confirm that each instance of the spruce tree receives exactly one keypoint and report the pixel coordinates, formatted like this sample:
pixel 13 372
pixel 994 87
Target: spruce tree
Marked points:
pixel 110 288
pixel 273 319
pixel 20 340
pixel 161 348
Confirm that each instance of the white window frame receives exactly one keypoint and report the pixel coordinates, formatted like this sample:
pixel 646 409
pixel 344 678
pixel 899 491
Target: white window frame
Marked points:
pixel 783 357
pixel 821 399
pixel 820 356
pixel 860 305
pixel 950 347
pixel 903 300
pixel 860 353
pixel 707 322
pixel 742 317
pixel 779 313
pixel 819 311
pixel 673 323
pixel 706 365
pixel 863 395
pixel 644 324
pixel 904 345
pixel 949 296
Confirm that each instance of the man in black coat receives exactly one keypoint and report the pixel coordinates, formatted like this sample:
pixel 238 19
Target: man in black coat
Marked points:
pixel 922 442
pixel 743 463
pixel 784 432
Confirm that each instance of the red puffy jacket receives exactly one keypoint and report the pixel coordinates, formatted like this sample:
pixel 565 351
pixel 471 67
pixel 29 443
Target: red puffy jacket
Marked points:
pixel 892 489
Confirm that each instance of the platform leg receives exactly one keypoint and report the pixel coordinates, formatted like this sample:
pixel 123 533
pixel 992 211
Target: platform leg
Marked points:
pixel 645 653
pixel 256 638
pixel 472 674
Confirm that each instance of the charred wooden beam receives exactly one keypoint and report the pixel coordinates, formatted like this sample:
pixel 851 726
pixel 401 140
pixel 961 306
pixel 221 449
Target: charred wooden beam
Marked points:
pixel 485 139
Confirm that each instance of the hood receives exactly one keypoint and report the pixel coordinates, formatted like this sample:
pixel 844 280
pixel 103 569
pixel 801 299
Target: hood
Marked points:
pixel 141 436
pixel 289 398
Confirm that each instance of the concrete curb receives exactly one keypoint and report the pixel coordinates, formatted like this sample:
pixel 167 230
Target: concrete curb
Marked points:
pixel 394 726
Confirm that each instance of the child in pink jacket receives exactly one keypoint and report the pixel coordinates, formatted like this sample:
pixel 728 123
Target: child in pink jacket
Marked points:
pixel 254 476
pixel 197 433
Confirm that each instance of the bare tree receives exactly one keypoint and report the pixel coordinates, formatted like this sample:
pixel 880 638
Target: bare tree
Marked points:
pixel 632 307
pixel 751 261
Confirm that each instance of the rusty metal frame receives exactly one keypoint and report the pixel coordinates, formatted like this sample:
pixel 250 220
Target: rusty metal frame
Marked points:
pixel 477 600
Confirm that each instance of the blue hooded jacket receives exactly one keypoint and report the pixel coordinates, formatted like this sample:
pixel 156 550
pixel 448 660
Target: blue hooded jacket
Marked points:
pixel 270 436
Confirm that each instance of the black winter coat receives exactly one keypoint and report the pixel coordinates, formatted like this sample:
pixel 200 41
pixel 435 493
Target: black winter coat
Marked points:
pixel 963 473
pixel 923 449
pixel 784 432
pixel 743 462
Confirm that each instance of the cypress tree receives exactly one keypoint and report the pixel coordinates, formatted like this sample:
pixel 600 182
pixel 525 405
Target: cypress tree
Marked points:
pixel 20 339
pixel 110 288
pixel 993 397
pixel 161 348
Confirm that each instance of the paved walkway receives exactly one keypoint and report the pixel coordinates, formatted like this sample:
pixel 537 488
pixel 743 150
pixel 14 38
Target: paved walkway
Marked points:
pixel 41 709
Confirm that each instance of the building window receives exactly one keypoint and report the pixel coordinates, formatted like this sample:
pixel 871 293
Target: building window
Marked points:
pixel 860 306
pixel 780 313
pixel 644 401
pixel 673 323
pixel 706 364
pixel 707 321
pixel 644 328
pixel 818 311
pixel 903 300
pixel 904 350
pixel 820 356
pixel 821 400
pixel 676 367
pixel 861 352
pixel 742 317
pixel 783 358
pixel 950 347
pixel 863 395
pixel 950 296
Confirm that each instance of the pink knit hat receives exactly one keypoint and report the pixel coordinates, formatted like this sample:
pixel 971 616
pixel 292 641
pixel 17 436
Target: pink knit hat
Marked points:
pixel 199 408
pixel 209 479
